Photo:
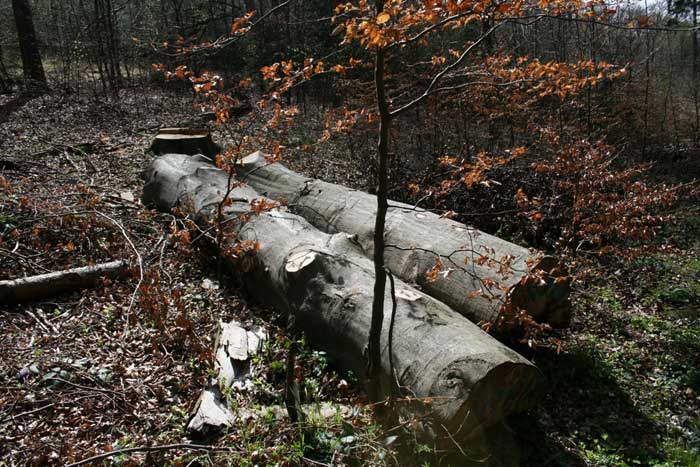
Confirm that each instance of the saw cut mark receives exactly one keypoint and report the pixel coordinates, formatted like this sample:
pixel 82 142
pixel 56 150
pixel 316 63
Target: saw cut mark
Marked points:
pixel 299 260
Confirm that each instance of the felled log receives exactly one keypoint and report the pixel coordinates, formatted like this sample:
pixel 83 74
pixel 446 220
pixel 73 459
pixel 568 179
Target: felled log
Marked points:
pixel 54 283
pixel 185 141
pixel 469 379
pixel 480 271
pixel 234 349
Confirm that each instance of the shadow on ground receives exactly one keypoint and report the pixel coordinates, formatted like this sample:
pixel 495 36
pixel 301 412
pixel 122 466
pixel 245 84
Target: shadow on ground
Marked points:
pixel 583 401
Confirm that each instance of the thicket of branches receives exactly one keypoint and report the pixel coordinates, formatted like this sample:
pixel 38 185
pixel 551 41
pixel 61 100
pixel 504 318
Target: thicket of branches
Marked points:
pixel 102 45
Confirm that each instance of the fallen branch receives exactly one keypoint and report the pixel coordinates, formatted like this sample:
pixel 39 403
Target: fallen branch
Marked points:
pixel 22 414
pixel 54 283
pixel 140 449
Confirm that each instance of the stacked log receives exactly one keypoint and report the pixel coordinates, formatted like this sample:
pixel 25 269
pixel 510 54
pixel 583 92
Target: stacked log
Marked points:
pixel 466 379
pixel 480 271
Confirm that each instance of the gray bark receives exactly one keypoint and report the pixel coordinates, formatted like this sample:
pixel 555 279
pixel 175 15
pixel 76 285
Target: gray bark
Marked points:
pixel 471 380
pixel 54 283
pixel 416 238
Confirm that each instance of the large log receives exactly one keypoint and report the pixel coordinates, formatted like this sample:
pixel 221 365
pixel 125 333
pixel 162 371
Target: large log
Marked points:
pixel 416 238
pixel 53 283
pixel 325 280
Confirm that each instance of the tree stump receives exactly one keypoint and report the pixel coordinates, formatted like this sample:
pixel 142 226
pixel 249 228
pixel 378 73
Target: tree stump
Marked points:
pixel 185 141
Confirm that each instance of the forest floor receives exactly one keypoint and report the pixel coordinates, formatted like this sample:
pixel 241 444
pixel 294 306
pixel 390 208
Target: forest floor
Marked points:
pixel 107 369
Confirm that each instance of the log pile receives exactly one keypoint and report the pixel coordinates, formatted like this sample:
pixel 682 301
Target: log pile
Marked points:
pixel 466 379
pixel 481 271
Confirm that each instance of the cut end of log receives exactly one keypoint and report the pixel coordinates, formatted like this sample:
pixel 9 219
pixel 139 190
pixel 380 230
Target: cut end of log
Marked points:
pixel 497 400
pixel 299 260
pixel 506 389
pixel 548 302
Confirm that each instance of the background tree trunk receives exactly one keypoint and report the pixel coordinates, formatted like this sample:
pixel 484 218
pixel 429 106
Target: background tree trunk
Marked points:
pixel 28 43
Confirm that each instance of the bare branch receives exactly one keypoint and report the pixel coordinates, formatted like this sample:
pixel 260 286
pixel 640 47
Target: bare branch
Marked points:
pixel 436 79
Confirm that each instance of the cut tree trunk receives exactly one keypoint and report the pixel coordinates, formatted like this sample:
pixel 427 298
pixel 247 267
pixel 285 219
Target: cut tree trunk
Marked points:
pixel 54 283
pixel 461 378
pixel 480 271
pixel 185 141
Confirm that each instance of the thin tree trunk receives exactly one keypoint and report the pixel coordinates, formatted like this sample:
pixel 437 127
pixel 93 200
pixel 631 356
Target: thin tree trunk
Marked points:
pixel 374 346
pixel 696 136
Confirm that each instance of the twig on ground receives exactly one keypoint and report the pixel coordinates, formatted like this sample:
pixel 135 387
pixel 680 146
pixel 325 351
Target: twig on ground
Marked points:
pixel 140 260
pixel 86 388
pixel 22 414
pixel 39 322
pixel 140 449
